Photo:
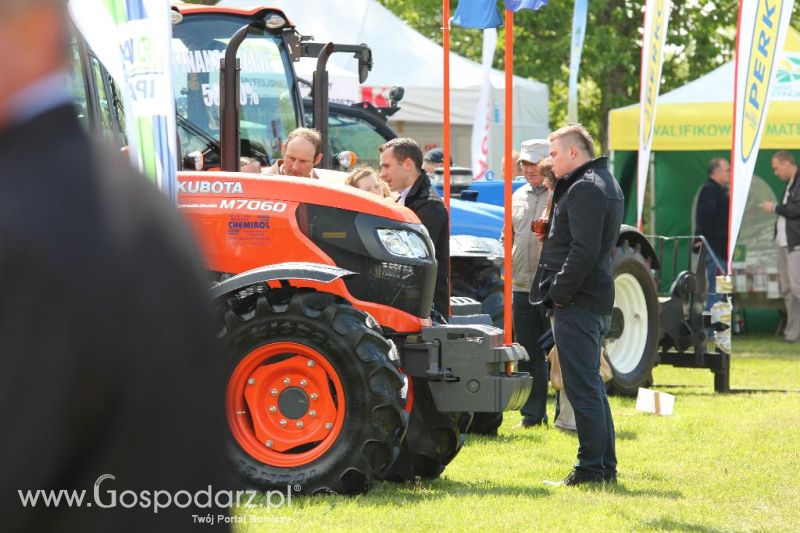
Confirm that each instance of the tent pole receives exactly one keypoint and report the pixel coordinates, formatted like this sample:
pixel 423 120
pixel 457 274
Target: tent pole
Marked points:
pixel 446 107
pixel 508 175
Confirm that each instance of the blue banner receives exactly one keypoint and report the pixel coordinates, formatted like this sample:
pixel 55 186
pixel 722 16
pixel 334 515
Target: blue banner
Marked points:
pixel 516 5
pixel 478 14
pixel 578 33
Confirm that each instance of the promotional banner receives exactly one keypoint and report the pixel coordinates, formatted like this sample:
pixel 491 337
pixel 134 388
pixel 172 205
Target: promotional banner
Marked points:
pixel 656 19
pixel 132 38
pixel 480 128
pixel 760 36
pixel 578 33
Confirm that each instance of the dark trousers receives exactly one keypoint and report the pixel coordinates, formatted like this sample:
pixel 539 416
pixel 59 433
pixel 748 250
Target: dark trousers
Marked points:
pixel 578 335
pixel 529 325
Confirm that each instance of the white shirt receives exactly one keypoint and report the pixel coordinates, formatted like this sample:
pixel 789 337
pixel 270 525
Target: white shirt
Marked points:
pixel 41 96
pixel 401 199
pixel 780 236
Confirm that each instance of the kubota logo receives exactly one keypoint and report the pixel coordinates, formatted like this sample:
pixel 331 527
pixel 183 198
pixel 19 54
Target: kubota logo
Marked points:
pixel 211 187
pixel 760 62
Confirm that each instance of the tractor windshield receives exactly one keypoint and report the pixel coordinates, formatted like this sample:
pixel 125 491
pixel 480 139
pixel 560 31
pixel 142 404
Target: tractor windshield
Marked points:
pixel 267 95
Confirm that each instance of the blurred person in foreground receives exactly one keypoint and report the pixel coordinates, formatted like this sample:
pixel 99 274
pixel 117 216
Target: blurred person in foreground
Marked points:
pixel 109 378
pixel 574 278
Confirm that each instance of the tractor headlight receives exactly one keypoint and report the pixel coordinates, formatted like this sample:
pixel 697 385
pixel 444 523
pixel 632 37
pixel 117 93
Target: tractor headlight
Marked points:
pixel 402 243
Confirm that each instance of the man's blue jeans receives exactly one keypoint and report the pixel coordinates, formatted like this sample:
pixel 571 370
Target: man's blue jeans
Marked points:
pixel 529 325
pixel 711 280
pixel 578 334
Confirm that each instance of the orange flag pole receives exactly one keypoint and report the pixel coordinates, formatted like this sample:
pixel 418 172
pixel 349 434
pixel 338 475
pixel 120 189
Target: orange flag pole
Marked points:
pixel 508 174
pixel 446 107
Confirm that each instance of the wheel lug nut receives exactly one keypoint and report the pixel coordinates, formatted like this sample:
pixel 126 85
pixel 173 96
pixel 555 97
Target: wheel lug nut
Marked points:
pixel 251 381
pixel 286 381
pixel 272 409
pixel 299 424
pixel 282 423
pixel 314 396
pixel 310 363
pixel 274 392
pixel 303 383
pixel 328 426
pixel 312 413
pixel 269 444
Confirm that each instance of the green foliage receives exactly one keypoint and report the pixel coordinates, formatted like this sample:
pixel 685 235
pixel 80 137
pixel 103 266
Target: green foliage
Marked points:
pixel 700 38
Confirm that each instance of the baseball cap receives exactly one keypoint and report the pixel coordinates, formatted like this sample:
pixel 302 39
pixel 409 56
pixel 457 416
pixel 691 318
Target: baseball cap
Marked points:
pixel 436 155
pixel 534 150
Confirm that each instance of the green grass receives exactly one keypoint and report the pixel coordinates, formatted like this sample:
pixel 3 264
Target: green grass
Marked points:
pixel 720 463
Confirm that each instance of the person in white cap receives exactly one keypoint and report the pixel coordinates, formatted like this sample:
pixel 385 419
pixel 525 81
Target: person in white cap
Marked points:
pixel 528 203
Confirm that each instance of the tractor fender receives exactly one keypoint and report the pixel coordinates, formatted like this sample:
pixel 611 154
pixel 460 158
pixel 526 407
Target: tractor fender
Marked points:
pixel 281 271
pixel 638 242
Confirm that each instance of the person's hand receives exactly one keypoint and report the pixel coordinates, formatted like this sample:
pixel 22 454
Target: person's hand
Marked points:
pixel 539 237
pixel 768 207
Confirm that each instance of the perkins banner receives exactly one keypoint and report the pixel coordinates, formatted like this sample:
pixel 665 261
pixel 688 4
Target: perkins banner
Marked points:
pixel 132 38
pixel 760 37
pixel 656 19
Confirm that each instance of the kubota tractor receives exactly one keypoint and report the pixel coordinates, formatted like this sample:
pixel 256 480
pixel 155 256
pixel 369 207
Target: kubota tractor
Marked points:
pixel 323 292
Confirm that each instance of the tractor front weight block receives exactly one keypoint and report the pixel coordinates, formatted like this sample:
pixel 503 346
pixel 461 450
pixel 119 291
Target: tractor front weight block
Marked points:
pixel 465 368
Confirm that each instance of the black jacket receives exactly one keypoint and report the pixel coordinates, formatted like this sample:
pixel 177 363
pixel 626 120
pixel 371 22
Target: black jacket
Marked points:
pixel 791 212
pixel 107 352
pixel 575 262
pixel 429 207
pixel 711 216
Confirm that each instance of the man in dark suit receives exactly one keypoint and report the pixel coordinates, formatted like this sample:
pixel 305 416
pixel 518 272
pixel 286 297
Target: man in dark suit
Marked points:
pixel 109 378
pixel 401 167
pixel 711 221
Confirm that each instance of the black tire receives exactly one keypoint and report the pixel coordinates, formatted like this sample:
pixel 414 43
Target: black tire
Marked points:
pixel 486 424
pixel 632 344
pixel 432 441
pixel 479 279
pixel 374 422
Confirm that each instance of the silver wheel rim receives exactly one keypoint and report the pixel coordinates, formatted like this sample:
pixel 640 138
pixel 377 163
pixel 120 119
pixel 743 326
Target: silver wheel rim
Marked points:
pixel 626 351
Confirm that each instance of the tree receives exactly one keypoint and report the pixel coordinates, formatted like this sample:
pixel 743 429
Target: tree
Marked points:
pixel 700 38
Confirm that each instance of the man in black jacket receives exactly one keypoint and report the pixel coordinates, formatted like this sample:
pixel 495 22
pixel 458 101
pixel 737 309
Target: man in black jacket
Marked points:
pixel 787 235
pixel 574 278
pixel 109 379
pixel 401 167
pixel 711 221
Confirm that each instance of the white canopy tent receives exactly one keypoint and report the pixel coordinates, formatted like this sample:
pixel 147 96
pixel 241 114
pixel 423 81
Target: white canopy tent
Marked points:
pixel 404 57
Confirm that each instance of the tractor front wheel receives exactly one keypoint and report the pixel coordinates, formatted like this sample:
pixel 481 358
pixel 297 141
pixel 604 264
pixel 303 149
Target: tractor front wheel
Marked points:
pixel 312 399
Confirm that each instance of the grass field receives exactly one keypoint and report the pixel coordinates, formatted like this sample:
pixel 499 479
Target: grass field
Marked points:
pixel 720 463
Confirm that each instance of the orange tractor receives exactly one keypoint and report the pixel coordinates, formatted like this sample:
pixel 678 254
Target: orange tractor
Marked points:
pixel 338 377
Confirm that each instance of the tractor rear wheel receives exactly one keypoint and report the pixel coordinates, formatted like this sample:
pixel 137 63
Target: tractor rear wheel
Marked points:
pixel 312 399
pixel 433 438
pixel 632 343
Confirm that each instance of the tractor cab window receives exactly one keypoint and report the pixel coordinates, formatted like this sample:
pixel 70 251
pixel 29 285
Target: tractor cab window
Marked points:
pixel 268 105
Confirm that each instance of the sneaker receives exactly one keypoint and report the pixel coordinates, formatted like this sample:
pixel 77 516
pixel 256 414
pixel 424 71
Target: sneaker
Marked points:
pixel 575 478
pixel 610 478
pixel 527 424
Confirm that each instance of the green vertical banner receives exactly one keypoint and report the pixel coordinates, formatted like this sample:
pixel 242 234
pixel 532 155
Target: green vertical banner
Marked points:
pixel 133 39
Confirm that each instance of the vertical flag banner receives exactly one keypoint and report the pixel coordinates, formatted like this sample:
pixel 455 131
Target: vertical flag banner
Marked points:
pixel 656 19
pixel 482 123
pixel 476 14
pixel 578 33
pixel 516 5
pixel 132 38
pixel 760 36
